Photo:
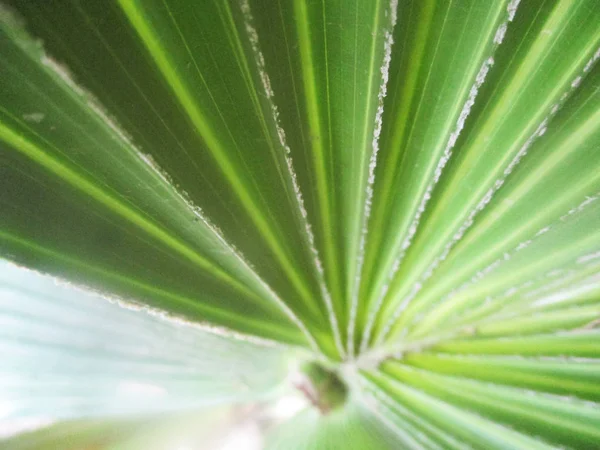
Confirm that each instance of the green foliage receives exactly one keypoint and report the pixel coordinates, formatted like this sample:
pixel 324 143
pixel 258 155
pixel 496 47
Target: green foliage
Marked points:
pixel 403 193
pixel 323 387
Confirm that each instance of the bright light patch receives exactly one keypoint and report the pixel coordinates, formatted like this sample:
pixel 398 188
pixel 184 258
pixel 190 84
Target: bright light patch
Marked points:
pixel 13 427
pixel 137 388
pixel 288 406
pixel 244 437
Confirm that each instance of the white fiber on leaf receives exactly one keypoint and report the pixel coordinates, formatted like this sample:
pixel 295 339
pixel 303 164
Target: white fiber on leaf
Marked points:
pixel 384 70
pixel 260 63
pixel 485 200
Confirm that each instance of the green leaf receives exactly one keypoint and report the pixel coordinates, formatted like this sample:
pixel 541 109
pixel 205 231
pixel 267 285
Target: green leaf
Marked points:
pixel 541 64
pixel 463 426
pixel 134 213
pixel 354 427
pixel 545 375
pixel 333 58
pixel 149 432
pixel 442 57
pixel 381 214
pixel 101 358
pixel 564 422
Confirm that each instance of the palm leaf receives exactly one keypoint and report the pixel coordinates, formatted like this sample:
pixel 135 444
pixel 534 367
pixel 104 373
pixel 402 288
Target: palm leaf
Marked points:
pixel 386 208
